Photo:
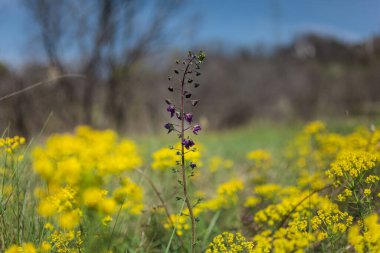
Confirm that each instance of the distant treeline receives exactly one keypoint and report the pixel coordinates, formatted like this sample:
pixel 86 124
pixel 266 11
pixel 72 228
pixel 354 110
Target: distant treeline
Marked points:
pixel 313 76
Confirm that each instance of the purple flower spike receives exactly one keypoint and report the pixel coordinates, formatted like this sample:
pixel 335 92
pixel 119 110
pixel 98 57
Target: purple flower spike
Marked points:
pixel 189 117
pixel 171 109
pixel 196 128
pixel 188 143
pixel 192 165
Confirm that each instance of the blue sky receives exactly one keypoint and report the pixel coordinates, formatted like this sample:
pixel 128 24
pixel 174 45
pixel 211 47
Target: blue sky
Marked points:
pixel 236 23
pixel 249 22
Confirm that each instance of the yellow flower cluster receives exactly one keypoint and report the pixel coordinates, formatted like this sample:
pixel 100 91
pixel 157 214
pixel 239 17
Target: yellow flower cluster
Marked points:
pixel 299 218
pixel 350 172
pixel 67 242
pixel 179 222
pixel 31 248
pixel 259 162
pixel 62 204
pixel 130 196
pixel 84 157
pixel 217 163
pixel 25 248
pixel 312 181
pixel 297 221
pixel 331 221
pixel 81 171
pixel 366 237
pixel 11 155
pixel 230 243
pixel 274 213
pixel 260 158
pixel 314 127
pixel 9 144
pixel 88 187
pixel 351 164
pixel 304 152
pixel 315 148
pixel 166 158
pixel 283 240
pixel 269 193
pixel 227 196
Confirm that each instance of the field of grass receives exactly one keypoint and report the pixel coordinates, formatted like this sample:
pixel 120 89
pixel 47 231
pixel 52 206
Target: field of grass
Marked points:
pixel 265 187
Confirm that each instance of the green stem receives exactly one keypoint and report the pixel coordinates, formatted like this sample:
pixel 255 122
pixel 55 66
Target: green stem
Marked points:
pixel 114 226
pixel 183 166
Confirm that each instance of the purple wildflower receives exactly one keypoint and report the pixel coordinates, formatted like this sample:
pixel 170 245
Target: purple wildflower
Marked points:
pixel 169 127
pixel 171 109
pixel 192 165
pixel 189 117
pixel 196 128
pixel 188 143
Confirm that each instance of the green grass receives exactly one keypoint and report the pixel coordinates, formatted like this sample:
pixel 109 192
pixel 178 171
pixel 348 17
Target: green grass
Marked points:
pixel 235 143
pixel 231 144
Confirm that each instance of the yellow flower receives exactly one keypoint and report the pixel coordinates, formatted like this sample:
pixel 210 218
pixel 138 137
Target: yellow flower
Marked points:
pixel 251 202
pixel 25 248
pixel 367 192
pixel 45 247
pixel 130 195
pixel 49 226
pixel 314 127
pixel 46 208
pixel 230 243
pixel 366 239
pixel 260 157
pixel 179 222
pixel 108 206
pixel 93 196
pixel 216 163
pixel 69 220
pixel 165 158
pixel 106 220
pixel 227 196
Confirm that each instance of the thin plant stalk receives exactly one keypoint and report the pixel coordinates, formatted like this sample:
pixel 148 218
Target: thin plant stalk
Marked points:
pixel 183 166
pixel 185 95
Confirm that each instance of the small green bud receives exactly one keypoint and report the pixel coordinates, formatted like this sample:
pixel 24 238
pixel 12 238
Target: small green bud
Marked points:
pixel 201 56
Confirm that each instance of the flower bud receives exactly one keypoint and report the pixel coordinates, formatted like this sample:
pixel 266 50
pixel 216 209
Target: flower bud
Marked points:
pixel 178 114
pixel 194 102
pixel 168 101
pixel 169 127
pixel 187 94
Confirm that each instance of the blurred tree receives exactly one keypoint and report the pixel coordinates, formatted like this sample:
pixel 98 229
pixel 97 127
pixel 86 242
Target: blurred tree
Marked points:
pixel 107 38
